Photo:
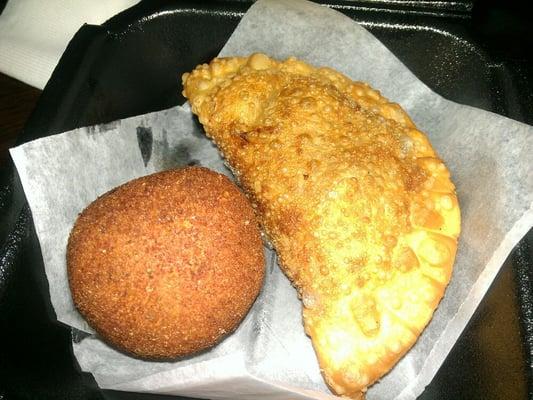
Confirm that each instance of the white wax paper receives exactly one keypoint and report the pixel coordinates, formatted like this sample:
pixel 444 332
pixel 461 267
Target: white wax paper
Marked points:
pixel 269 356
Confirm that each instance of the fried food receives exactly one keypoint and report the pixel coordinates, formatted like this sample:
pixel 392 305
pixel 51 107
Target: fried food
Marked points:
pixel 168 264
pixel 358 206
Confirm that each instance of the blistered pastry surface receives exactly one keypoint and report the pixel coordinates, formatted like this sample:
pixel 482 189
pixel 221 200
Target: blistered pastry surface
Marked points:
pixel 361 211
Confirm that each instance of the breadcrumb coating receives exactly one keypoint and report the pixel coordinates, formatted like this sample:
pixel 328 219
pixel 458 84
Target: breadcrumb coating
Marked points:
pixel 168 264
pixel 360 209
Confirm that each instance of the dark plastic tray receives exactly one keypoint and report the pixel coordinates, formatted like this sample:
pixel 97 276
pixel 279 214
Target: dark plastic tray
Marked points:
pixel 131 65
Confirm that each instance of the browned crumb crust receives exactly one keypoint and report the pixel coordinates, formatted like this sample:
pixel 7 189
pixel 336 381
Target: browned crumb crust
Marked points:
pixel 168 264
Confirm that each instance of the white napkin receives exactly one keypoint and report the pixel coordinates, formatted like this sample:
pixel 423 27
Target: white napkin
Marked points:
pixel 35 33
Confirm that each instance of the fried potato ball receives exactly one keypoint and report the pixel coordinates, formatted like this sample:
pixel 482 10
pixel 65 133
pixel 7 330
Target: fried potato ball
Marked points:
pixel 168 264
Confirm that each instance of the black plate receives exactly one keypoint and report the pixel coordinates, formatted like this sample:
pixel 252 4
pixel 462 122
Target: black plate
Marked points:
pixel 131 65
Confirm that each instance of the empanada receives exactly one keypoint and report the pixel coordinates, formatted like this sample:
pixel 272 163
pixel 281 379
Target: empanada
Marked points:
pixel 360 209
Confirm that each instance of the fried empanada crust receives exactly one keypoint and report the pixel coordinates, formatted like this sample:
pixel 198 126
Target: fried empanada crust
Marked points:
pixel 360 209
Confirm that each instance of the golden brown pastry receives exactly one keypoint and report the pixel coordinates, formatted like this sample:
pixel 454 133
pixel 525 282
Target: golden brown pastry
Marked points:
pixel 168 264
pixel 360 209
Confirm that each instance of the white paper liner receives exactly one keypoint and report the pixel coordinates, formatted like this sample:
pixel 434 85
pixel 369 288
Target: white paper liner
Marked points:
pixel 269 356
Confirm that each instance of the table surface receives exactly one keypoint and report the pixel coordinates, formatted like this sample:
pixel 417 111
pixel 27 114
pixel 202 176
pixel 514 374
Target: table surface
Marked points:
pixel 17 101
